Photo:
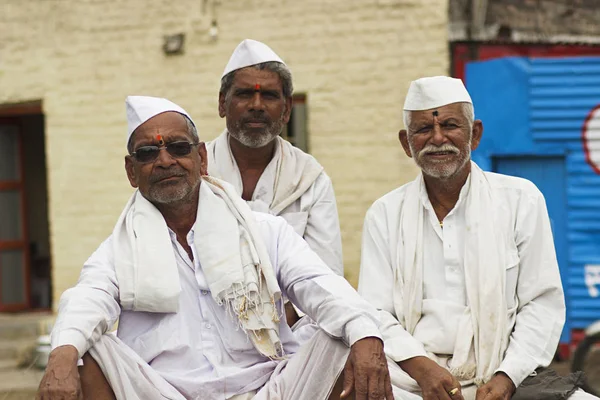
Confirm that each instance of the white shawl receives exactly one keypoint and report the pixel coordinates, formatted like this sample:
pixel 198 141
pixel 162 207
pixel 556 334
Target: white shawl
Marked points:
pixel 295 170
pixel 482 329
pixel 231 252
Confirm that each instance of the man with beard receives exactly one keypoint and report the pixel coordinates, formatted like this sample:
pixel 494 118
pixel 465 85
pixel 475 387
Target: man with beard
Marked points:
pixel 461 265
pixel 196 280
pixel 268 172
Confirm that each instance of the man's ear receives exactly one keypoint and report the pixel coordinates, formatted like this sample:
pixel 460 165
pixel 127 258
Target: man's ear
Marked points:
pixel 221 105
pixel 403 137
pixel 288 109
pixel 476 134
pixel 203 159
pixel 130 169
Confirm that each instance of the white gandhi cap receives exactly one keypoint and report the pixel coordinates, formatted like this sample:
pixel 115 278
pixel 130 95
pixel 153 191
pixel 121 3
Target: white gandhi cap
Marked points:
pixel 250 52
pixel 141 108
pixel 434 92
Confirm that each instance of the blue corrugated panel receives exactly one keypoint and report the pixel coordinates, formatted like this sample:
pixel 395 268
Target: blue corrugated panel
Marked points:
pixel 562 93
pixel 533 111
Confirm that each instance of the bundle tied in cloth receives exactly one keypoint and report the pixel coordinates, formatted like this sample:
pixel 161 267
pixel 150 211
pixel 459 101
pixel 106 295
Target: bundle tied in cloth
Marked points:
pixel 231 252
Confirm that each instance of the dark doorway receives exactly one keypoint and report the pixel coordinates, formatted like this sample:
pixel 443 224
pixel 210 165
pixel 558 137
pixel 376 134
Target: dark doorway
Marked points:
pixel 25 278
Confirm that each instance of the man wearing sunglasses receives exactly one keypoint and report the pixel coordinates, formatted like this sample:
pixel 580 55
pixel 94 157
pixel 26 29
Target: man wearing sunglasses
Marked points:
pixel 273 176
pixel 196 280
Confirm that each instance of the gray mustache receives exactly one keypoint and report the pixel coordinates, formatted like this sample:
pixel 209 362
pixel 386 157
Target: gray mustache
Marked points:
pixel 158 177
pixel 435 149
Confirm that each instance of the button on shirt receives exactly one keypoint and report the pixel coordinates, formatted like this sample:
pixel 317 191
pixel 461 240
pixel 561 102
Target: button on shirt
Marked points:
pixel 444 290
pixel 200 350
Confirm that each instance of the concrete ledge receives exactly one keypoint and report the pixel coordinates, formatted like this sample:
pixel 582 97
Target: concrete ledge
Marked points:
pixel 20 350
pixel 15 326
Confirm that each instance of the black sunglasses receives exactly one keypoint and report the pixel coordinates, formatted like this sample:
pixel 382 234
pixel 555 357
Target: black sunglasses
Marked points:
pixel 146 154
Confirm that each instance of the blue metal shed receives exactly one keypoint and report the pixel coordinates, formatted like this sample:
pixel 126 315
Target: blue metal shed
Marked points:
pixel 541 120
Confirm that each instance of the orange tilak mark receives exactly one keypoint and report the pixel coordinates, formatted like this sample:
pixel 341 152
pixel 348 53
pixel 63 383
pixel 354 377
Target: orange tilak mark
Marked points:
pixel 160 140
pixel 257 87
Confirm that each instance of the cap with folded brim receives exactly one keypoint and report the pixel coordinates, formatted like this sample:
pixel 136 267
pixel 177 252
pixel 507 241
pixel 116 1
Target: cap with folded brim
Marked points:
pixel 141 108
pixel 250 52
pixel 434 92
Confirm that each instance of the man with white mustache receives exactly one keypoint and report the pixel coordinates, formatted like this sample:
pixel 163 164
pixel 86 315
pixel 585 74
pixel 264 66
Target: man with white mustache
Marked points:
pixel 461 266
pixel 273 176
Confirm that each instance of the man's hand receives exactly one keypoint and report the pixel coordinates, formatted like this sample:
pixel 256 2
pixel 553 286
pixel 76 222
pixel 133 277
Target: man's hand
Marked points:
pixel 366 371
pixel 61 379
pixel 500 387
pixel 435 382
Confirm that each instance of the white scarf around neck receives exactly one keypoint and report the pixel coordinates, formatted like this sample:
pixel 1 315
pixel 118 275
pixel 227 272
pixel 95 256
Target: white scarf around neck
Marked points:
pixel 295 171
pixel 231 252
pixel 483 328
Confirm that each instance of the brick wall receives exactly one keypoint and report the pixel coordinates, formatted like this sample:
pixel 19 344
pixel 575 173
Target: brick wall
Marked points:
pixel 354 60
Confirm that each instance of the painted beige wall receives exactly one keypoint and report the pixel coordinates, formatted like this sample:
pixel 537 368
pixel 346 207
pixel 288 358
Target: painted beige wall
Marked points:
pixel 353 58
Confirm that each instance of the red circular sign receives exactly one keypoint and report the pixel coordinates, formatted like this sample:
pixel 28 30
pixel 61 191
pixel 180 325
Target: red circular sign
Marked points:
pixel 590 135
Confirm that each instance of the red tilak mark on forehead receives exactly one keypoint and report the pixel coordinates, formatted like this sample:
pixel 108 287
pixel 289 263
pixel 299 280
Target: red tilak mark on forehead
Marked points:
pixel 160 140
pixel 257 86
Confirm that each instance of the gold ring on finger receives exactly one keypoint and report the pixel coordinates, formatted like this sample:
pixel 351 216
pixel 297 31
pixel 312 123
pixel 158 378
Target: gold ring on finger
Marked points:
pixel 453 391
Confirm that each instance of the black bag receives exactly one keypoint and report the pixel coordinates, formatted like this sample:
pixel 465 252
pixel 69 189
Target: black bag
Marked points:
pixel 548 385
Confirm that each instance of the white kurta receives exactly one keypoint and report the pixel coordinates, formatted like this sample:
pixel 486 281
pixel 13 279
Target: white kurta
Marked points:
pixel 199 350
pixel 313 215
pixel 536 308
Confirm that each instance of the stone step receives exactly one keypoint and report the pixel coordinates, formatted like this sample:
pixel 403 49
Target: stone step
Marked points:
pixel 19 350
pixel 19 384
pixel 18 395
pixel 7 365
pixel 18 326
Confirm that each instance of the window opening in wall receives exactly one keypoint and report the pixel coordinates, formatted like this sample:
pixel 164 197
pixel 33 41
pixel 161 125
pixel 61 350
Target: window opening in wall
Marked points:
pixel 296 131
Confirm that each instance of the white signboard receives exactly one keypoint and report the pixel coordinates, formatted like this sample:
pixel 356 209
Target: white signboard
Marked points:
pixel 592 279
pixel 590 135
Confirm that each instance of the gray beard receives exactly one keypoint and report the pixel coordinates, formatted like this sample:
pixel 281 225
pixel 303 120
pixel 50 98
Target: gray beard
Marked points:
pixel 443 170
pixel 256 141
pixel 171 196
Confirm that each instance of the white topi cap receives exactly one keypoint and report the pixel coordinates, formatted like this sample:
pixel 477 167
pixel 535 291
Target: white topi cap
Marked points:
pixel 435 91
pixel 141 108
pixel 250 52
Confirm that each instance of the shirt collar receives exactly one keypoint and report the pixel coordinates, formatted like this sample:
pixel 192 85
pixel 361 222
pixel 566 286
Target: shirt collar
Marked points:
pixel 189 238
pixel 464 192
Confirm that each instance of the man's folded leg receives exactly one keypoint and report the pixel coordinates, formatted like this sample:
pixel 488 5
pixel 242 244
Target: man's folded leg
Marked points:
pixel 245 396
pixel 129 376
pixel 403 386
pixel 406 388
pixel 311 373
pixel 93 382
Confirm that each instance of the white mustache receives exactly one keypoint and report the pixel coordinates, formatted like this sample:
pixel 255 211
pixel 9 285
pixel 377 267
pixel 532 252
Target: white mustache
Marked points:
pixel 436 149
